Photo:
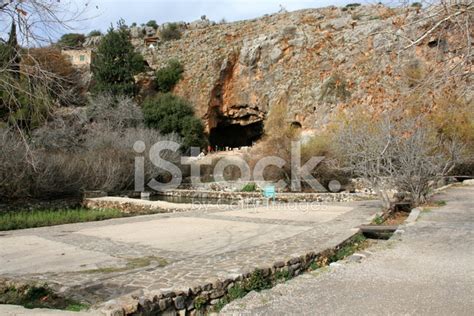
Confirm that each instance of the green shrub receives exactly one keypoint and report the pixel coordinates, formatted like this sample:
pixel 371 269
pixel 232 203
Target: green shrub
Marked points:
pixel 172 114
pixel 378 220
pixel 170 32
pixel 152 23
pixel 257 282
pixel 417 5
pixel 199 302
pixel 353 5
pixel 38 296
pixel 167 77
pixel 94 33
pixel 72 40
pixel 249 187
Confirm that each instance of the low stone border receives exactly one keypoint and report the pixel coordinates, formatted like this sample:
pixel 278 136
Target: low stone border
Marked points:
pixel 280 197
pixel 137 206
pixel 134 206
pixel 202 298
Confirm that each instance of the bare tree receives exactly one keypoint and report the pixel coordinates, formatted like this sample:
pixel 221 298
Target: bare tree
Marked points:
pixel 397 152
pixel 26 88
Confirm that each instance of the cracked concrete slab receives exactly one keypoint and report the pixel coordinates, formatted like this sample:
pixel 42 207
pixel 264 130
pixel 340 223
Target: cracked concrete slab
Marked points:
pixel 193 235
pixel 33 254
pixel 303 212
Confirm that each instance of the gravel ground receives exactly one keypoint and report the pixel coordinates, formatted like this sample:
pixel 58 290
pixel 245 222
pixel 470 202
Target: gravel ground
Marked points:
pixel 428 269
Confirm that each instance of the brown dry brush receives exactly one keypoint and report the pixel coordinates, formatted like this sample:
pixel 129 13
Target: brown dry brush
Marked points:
pixel 29 88
pixel 396 152
pixel 103 160
pixel 89 148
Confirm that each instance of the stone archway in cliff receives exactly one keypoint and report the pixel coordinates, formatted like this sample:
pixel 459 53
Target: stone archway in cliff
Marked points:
pixel 235 135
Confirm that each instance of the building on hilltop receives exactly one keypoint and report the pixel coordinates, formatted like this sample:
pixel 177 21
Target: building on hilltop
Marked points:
pixel 80 58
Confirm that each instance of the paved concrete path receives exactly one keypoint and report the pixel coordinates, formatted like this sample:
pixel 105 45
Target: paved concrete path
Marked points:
pixel 100 261
pixel 427 270
pixel 14 310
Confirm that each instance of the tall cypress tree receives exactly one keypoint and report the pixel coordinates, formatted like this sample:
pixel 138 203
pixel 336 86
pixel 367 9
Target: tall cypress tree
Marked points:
pixel 9 54
pixel 10 65
pixel 116 63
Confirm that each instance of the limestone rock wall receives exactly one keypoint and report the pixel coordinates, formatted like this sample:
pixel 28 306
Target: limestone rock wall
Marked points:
pixel 238 71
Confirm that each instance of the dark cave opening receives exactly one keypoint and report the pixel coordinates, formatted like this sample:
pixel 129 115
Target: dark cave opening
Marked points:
pixel 235 135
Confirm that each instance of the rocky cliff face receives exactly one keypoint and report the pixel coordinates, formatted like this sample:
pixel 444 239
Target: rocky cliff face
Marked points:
pixel 314 61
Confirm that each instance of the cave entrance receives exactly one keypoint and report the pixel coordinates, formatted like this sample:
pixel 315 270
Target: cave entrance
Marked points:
pixel 235 135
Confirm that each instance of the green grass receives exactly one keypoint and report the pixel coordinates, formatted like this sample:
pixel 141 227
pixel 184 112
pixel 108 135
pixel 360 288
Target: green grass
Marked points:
pixel 38 296
pixel 440 203
pixel 41 218
pixel 378 220
pixel 250 187
pixel 356 243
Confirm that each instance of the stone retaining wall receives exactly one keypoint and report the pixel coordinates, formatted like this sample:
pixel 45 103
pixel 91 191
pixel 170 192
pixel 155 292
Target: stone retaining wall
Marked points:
pixel 202 298
pixel 281 197
pixel 135 206
pixel 243 199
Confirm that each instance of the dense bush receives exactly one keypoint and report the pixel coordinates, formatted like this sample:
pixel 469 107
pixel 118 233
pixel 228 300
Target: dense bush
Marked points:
pixel 167 77
pixel 27 102
pixel 103 160
pixel 94 33
pixel 170 32
pixel 25 89
pixel 152 23
pixel 353 5
pixel 172 114
pixel 65 84
pixel 116 63
pixel 72 40
pixel 88 148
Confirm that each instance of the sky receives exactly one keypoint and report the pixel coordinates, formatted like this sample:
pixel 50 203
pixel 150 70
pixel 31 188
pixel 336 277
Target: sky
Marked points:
pixel 104 12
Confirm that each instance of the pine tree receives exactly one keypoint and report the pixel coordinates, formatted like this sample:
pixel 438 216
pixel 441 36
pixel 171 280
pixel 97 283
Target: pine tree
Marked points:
pixel 116 63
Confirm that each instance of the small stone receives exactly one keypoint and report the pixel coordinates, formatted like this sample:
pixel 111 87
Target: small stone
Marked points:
pixel 217 293
pixel 169 294
pixel 294 260
pixel 279 264
pixel 164 303
pixel 217 284
pixel 266 272
pixel 179 302
pixel 196 290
